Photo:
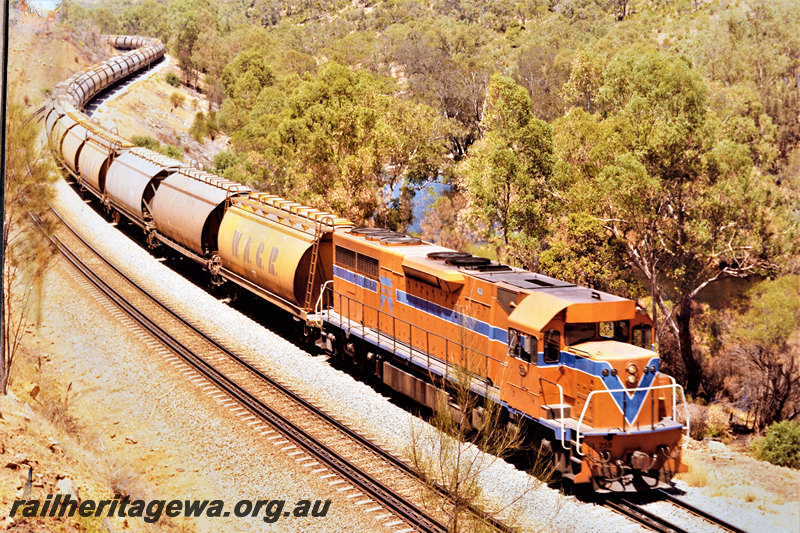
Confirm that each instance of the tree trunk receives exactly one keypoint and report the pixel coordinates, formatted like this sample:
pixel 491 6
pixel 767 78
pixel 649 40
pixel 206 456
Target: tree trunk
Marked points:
pixel 693 370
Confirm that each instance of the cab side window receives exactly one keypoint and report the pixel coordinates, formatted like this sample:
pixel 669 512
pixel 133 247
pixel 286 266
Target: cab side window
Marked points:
pixel 522 346
pixel 552 346
pixel 643 336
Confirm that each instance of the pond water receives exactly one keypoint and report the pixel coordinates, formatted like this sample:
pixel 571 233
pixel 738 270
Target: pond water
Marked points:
pixel 422 200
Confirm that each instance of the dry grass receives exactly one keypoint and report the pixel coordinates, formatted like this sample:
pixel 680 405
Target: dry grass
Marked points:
pixel 697 476
pixel 78 449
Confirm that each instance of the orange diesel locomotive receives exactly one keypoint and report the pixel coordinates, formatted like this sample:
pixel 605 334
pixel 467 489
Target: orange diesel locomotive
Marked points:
pixel 574 366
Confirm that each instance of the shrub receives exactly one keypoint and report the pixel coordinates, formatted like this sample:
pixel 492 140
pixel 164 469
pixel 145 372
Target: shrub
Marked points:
pixel 224 160
pixel 204 126
pixel 173 79
pixel 781 445
pixel 176 99
pixel 707 421
pixel 145 142
pixel 698 420
pixel 171 151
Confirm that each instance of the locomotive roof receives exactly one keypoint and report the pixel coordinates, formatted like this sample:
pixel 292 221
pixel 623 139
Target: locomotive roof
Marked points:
pixel 542 297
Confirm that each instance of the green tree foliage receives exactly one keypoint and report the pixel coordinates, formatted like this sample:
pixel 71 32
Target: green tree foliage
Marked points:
pixel 151 144
pixel 582 251
pixel 753 48
pixel 655 167
pixel 448 67
pixel 585 79
pixel 242 82
pixel 762 348
pixel 444 224
pixel 204 125
pixel 506 175
pixel 339 140
pixel 781 445
pixel 543 69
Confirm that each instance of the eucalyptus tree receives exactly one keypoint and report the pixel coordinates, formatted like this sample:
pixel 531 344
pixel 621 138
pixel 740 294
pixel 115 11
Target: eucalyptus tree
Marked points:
pixel 506 176
pixel 657 170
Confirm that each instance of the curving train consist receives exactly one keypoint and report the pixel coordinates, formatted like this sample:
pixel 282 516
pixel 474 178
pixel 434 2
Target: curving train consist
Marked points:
pixel 573 367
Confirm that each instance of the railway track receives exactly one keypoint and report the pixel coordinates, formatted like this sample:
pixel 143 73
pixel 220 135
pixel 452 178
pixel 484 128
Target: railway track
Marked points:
pixel 654 522
pixel 251 388
pixel 380 475
pixel 699 512
pixel 642 516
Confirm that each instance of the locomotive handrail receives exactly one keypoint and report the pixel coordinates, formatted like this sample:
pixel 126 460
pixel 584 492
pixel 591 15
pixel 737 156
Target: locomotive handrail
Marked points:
pixel 561 406
pixel 674 405
pixel 673 386
pixel 342 323
pixel 318 305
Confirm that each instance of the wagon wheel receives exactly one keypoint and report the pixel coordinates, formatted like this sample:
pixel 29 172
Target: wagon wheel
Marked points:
pixel 215 265
pixel 152 240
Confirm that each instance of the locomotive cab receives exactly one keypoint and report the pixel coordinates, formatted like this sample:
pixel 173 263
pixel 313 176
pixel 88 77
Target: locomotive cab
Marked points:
pixel 587 367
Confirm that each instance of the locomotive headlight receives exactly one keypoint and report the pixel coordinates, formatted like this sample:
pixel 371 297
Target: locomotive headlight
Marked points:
pixel 632 368
pixel 631 380
pixel 653 369
pixel 605 372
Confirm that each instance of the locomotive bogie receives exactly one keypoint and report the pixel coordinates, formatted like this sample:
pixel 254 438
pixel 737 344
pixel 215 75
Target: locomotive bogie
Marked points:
pixel 631 462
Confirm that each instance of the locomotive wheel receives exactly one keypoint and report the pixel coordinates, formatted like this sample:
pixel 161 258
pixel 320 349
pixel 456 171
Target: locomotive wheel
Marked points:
pixel 336 349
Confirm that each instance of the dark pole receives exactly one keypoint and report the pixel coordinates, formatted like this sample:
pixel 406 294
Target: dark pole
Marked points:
pixel 3 105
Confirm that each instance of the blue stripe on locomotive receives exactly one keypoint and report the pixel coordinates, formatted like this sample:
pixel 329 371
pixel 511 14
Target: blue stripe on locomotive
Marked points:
pixel 628 403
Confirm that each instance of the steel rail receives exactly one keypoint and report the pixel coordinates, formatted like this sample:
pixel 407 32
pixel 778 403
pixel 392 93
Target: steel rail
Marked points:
pixel 373 488
pixel 396 462
pixel 642 516
pixel 699 512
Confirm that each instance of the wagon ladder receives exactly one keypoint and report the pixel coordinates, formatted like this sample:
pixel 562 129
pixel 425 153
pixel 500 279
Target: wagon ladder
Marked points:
pixel 318 234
